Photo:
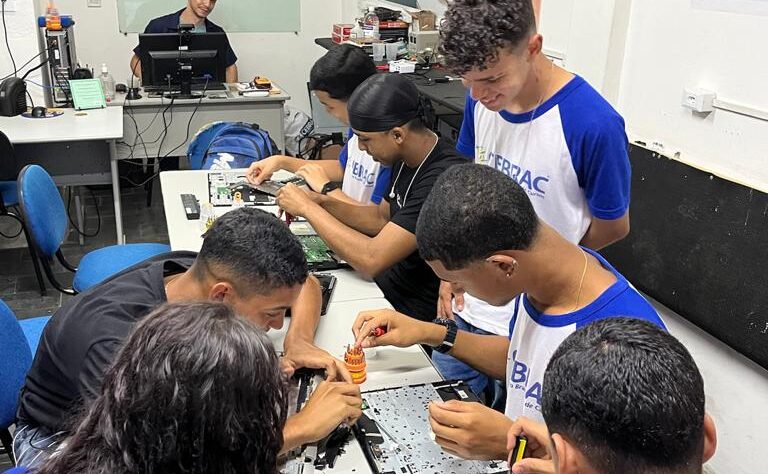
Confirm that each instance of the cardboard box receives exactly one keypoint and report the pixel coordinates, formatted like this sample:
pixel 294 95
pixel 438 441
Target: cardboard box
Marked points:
pixel 424 20
pixel 341 32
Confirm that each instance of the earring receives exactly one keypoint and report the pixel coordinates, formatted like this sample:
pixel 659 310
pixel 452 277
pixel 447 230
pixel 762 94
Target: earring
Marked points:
pixel 514 267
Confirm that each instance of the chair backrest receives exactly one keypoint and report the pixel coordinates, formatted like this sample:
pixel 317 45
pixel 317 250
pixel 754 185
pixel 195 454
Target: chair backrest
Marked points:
pixel 43 209
pixel 8 167
pixel 15 361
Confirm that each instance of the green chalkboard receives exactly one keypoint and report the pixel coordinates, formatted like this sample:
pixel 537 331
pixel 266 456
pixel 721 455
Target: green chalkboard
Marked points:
pixel 232 15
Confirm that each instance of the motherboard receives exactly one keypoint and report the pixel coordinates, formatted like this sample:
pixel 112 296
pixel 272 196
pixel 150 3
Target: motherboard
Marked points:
pixel 231 188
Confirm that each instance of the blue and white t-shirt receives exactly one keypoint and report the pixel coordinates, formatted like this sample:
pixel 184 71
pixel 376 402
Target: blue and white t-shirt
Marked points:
pixel 534 337
pixel 571 157
pixel 365 180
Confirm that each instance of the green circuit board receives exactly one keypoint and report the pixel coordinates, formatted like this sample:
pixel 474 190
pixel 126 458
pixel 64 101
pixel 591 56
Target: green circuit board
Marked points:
pixel 315 249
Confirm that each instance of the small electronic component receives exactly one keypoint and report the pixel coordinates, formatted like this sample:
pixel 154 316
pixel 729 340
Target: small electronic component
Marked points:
pixel 191 206
pixel 354 359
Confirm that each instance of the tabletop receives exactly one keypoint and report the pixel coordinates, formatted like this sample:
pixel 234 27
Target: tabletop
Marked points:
pixel 72 126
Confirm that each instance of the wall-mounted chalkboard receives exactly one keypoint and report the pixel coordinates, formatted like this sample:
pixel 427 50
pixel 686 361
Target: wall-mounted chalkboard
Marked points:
pixel 699 245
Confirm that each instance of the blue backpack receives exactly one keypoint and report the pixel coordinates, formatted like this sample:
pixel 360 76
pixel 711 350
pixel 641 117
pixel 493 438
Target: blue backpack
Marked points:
pixel 228 145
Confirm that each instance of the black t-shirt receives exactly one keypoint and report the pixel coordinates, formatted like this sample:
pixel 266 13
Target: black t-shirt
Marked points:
pixel 410 286
pixel 83 337
pixel 170 24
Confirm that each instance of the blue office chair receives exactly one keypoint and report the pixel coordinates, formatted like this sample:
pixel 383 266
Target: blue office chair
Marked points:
pixel 45 215
pixel 9 201
pixel 18 342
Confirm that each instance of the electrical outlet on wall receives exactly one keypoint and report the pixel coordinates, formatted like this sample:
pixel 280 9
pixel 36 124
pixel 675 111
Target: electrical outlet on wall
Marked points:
pixel 698 99
pixel 94 3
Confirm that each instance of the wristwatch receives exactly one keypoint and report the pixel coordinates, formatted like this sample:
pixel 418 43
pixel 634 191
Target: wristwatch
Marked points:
pixel 329 186
pixel 450 335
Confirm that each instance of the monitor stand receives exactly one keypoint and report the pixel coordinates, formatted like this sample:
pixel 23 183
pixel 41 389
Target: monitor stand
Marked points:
pixel 185 74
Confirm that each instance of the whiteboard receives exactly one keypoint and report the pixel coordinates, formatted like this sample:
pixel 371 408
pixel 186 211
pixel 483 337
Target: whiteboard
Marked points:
pixel 232 15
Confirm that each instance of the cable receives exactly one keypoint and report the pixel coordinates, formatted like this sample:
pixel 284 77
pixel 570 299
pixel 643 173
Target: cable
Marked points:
pixel 189 123
pixel 186 138
pixel 98 214
pixel 34 69
pixel 30 81
pixel 27 63
pixel 7 44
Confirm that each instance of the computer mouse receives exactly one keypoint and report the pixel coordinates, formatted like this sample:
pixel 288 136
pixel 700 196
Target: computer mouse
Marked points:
pixel 38 112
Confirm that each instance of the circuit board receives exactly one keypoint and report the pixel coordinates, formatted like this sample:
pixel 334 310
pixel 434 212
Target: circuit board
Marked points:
pixel 395 431
pixel 319 256
pixel 228 188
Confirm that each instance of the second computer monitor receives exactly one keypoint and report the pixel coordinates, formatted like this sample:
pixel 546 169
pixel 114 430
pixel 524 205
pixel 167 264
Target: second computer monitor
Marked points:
pixel 167 57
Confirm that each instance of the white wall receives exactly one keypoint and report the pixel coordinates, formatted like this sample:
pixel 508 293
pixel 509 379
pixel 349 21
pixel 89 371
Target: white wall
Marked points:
pixel 671 46
pixel 641 54
pixel 737 390
pixel 22 37
pixel 286 58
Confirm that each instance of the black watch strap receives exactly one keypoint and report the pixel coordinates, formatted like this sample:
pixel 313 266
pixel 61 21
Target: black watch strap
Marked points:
pixel 329 186
pixel 450 335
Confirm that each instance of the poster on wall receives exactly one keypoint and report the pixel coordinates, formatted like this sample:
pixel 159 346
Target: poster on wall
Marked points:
pixel 749 7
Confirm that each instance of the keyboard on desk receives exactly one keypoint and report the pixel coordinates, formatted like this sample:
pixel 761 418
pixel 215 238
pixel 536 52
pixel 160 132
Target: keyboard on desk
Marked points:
pixel 197 87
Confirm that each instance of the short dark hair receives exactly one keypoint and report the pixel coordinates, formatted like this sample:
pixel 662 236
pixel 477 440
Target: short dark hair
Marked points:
pixel 629 396
pixel 195 388
pixel 472 212
pixel 340 71
pixel 473 31
pixel 254 250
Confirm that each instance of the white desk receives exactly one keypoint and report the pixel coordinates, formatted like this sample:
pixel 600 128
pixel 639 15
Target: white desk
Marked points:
pixel 144 117
pixel 52 142
pixel 387 366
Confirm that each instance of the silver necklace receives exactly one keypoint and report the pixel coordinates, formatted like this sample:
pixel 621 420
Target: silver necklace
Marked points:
pixel 397 178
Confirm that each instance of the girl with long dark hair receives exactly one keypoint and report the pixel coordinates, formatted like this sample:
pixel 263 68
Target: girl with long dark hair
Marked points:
pixel 195 389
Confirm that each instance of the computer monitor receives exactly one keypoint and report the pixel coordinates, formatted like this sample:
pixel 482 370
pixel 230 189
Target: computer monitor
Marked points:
pixel 177 63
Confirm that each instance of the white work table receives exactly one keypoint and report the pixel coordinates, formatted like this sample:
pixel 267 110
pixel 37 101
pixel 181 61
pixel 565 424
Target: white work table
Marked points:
pixel 143 120
pixel 72 126
pixel 54 143
pixel 387 366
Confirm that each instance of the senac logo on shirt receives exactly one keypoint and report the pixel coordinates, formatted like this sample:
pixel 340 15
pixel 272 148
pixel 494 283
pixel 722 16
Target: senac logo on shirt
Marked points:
pixel 518 381
pixel 524 177
pixel 361 174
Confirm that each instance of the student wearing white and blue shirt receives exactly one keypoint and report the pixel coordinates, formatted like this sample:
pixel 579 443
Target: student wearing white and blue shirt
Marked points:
pixel 478 229
pixel 541 126
pixel 333 79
